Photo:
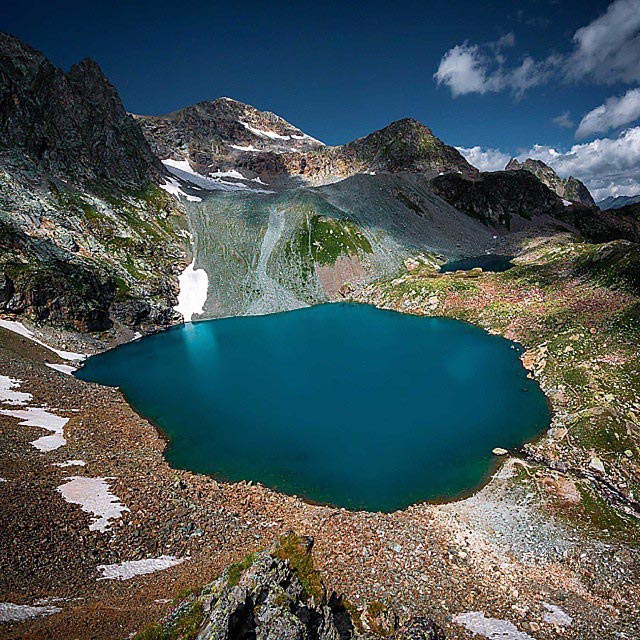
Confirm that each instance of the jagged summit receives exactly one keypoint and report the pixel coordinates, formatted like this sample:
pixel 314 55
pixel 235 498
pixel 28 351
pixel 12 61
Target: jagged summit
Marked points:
pixel 570 188
pixel 408 145
pixel 72 125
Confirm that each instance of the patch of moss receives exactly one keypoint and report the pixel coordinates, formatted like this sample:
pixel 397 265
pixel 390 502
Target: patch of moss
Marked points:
pixel 576 376
pixel 150 632
pixel 291 547
pixel 185 626
pixel 234 572
pixel 326 239
pixel 354 612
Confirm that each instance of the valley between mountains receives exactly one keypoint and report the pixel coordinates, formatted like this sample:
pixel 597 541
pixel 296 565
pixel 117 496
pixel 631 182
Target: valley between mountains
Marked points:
pixel 114 226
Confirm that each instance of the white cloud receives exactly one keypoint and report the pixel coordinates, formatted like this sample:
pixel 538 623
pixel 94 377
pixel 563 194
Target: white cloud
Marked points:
pixel 564 120
pixel 614 113
pixel 608 49
pixel 463 70
pixel 608 166
pixel 471 68
pixel 485 159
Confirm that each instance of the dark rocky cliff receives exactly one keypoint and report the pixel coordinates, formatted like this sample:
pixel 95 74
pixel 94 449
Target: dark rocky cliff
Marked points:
pixel 570 188
pixel 499 198
pixel 87 238
pixel 72 124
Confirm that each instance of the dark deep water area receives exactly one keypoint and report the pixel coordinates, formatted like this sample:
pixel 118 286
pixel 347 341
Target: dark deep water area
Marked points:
pixel 338 403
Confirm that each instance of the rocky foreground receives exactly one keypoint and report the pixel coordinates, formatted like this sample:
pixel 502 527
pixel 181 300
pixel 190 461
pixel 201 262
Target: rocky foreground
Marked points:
pixel 548 548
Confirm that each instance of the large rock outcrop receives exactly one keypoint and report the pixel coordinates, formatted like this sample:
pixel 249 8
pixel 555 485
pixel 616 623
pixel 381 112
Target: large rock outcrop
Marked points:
pixel 570 188
pixel 499 198
pixel 279 595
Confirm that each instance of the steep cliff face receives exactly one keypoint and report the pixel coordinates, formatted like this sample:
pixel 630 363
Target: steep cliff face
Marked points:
pixel 226 135
pixel 88 238
pixel 570 188
pixel 73 124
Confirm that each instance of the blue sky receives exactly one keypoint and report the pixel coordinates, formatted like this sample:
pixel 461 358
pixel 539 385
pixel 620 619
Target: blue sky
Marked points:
pixel 339 70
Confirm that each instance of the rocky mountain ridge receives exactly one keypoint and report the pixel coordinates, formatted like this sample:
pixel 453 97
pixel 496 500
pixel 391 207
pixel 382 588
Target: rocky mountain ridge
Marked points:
pixel 92 239
pixel 71 125
pixel 224 136
pixel 570 188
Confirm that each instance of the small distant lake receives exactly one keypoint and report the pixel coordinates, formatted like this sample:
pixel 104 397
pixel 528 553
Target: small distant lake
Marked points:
pixel 338 403
pixel 487 262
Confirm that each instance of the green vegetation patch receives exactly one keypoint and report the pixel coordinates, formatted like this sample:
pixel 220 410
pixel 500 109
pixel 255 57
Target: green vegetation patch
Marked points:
pixel 234 572
pixel 185 625
pixel 326 239
pixel 292 547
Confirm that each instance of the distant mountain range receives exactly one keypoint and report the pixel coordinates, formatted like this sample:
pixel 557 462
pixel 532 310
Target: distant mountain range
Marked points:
pixel 618 201
pixel 100 210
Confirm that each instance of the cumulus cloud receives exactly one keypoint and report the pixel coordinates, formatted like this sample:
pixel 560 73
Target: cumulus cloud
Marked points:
pixel 614 113
pixel 471 68
pixel 608 166
pixel 606 51
pixel 485 159
pixel 564 120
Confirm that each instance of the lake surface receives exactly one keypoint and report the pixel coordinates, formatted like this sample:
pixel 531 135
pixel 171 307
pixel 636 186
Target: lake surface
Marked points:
pixel 339 403
pixel 487 262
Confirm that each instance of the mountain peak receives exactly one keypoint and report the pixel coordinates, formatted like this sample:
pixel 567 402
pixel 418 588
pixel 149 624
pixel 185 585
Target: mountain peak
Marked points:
pixel 93 140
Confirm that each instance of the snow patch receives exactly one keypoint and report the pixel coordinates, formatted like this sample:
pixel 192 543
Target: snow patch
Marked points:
pixel 264 134
pixel 491 628
pixel 566 203
pixel 39 417
pixel 556 615
pixel 10 612
pixel 231 173
pixel 93 496
pixel 194 284
pixel 70 463
pixel 182 170
pixel 7 393
pixel 63 368
pixel 239 148
pixel 18 327
pixel 132 568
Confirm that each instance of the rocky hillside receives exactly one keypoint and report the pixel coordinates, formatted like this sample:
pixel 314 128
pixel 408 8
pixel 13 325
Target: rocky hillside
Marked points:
pixel 88 238
pixel 405 145
pixel 215 134
pixel 570 188
pixel 223 136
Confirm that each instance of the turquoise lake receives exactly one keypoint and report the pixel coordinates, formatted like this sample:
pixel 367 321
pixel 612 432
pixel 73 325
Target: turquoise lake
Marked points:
pixel 338 403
